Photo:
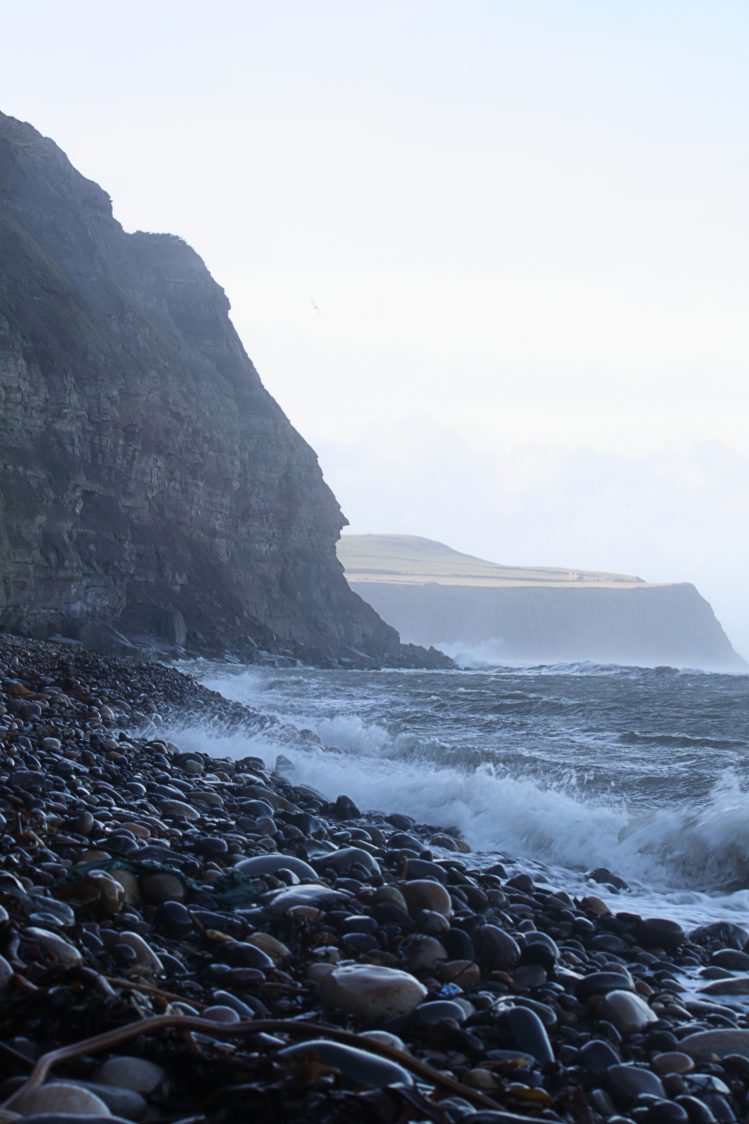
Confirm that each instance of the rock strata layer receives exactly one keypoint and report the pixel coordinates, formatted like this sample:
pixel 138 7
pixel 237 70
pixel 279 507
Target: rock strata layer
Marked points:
pixel 150 487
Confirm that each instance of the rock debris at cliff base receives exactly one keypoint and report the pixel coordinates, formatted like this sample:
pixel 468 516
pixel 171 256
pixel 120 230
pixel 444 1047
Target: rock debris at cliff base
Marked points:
pixel 255 952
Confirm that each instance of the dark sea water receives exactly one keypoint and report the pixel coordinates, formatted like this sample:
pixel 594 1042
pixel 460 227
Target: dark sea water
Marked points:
pixel 563 768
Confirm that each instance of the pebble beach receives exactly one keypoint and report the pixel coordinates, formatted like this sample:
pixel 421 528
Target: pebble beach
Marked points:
pixel 191 938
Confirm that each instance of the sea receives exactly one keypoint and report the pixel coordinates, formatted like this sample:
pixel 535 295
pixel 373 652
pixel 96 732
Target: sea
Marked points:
pixel 553 769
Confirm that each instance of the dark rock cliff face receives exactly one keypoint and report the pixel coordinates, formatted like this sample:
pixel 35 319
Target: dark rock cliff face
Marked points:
pixel 149 484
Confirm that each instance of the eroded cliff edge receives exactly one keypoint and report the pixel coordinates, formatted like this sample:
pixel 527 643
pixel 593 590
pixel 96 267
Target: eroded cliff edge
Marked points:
pixel 435 595
pixel 150 487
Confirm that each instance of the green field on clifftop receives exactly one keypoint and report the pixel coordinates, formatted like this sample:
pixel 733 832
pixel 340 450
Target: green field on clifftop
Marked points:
pixel 410 559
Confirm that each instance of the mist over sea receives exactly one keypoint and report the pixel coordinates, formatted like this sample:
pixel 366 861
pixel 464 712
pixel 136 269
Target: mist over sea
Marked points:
pixel 561 768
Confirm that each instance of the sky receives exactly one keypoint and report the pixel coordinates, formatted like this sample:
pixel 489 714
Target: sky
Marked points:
pixel 490 256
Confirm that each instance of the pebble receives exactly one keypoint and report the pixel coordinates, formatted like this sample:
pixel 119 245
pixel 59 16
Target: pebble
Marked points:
pixel 673 1062
pixel 245 895
pixel 628 1012
pixel 306 894
pixel 54 948
pixel 437 1010
pixel 137 1074
pixel 61 1098
pixel 143 954
pixel 718 1042
pixel 527 1033
pixel 368 991
pixel 628 1082
pixel 269 864
pixel 426 894
pixel 359 1067
pixel 730 985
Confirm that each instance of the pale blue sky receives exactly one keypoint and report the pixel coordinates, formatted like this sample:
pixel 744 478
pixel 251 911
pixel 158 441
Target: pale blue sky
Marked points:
pixel 524 224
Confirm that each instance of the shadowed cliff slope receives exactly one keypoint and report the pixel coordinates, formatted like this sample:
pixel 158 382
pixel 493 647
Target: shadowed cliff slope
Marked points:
pixel 436 595
pixel 149 484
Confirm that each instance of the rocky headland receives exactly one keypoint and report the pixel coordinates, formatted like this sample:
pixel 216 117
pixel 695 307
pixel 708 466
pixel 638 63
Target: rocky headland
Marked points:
pixel 186 938
pixel 436 595
pixel 152 492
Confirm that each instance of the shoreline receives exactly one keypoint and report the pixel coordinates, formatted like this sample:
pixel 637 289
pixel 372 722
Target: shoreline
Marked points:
pixel 124 897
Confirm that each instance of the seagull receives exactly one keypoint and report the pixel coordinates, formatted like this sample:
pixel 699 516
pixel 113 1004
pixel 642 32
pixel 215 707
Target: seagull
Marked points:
pixel 317 310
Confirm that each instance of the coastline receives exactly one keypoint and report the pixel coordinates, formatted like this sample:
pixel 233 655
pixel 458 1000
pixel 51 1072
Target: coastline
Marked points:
pixel 123 898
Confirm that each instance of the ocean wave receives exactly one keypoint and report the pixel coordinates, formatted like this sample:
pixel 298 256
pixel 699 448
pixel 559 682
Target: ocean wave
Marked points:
pixel 703 847
pixel 680 741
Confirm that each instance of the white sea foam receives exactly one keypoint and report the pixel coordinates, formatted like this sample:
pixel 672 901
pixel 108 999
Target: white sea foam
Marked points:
pixel 689 859
pixel 671 848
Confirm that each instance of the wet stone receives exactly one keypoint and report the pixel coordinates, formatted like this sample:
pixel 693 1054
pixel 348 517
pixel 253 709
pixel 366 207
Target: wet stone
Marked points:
pixel 628 1012
pixel 157 888
pixel 628 1082
pixel 437 1010
pixel 601 983
pixel 426 894
pixel 347 859
pixel 696 1110
pixel 282 901
pixel 658 932
pixel 731 958
pixel 526 1032
pixel 372 992
pixel 357 1067
pixel 133 1073
pixel 61 1098
pixel 598 1056
pixel 673 1062
pixel 666 1112
pixel 718 1042
pixel 270 864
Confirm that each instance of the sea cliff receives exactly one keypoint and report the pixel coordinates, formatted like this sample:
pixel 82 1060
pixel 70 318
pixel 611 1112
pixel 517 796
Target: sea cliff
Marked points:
pixel 151 490
pixel 435 595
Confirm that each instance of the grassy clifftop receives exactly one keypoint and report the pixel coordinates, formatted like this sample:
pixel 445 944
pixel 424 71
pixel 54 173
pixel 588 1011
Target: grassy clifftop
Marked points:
pixel 412 559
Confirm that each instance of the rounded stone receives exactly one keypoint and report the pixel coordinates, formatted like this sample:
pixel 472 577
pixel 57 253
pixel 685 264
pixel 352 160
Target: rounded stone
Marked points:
pixel 162 887
pixel 369 991
pixel 659 932
pixel 423 952
pixel 628 1012
pixel 180 809
pixel 127 1072
pixel 528 1033
pixel 438 1009
pixel 630 1081
pixel 259 865
pixel 144 956
pixel 718 1042
pixel 61 1098
pixel 495 948
pixel 359 1067
pixel 423 893
pixel 219 1013
pixel 731 985
pixel 54 948
pixel 598 1055
pixel 242 954
pixel 730 958
pixel 277 951
pixel 306 894
pixel 344 860
pixel 672 1062
pixel 601 983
